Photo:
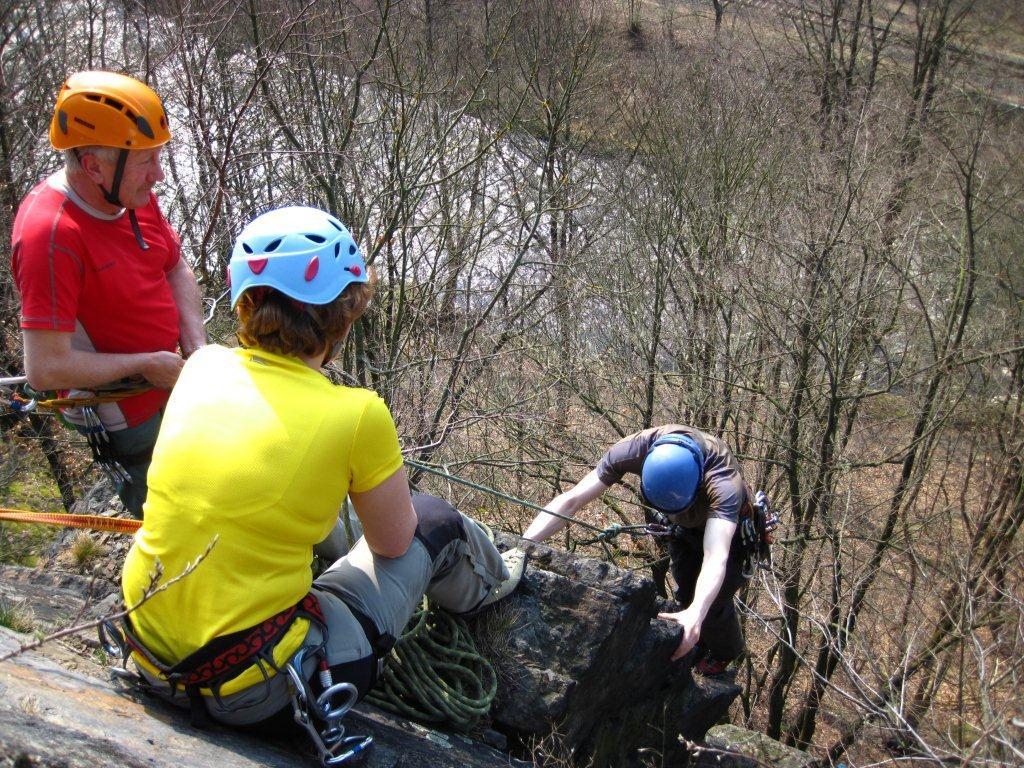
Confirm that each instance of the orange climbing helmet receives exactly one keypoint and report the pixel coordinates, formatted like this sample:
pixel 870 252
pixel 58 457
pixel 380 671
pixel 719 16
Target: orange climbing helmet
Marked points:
pixel 107 109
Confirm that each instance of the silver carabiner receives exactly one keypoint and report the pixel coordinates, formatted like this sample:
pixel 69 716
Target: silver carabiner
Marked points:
pixel 333 747
pixel 112 640
pixel 355 746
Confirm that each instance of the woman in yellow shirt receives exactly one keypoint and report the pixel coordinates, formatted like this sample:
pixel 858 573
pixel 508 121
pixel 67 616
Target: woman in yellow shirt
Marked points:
pixel 256 455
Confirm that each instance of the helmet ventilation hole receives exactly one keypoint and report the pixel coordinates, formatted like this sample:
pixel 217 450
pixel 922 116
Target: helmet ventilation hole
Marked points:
pixel 337 250
pixel 246 248
pixel 143 126
pixel 272 246
pixel 316 238
pixel 351 250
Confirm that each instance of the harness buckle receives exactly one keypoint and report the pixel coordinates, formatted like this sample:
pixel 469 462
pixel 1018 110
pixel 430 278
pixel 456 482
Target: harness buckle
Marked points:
pixel 332 745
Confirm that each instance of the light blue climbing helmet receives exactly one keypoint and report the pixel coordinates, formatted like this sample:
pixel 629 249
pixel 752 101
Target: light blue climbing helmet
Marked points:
pixel 302 252
pixel 672 473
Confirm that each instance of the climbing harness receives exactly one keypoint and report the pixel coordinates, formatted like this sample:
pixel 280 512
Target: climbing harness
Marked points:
pixel 224 658
pixel 30 399
pixel 757 531
pixel 111 463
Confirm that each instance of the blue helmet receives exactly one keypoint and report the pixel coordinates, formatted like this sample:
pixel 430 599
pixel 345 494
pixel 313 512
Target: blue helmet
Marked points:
pixel 303 252
pixel 672 473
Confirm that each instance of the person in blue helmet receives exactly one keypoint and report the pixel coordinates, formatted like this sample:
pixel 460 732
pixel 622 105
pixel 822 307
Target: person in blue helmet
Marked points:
pixel 256 455
pixel 693 479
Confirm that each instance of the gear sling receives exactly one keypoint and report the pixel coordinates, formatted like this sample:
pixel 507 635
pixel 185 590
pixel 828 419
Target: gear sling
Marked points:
pixel 225 657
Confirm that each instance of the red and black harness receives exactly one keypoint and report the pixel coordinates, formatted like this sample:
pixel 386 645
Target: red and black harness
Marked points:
pixel 225 657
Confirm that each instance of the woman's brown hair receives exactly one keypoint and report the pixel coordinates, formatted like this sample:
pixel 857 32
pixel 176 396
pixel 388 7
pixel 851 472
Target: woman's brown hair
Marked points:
pixel 272 321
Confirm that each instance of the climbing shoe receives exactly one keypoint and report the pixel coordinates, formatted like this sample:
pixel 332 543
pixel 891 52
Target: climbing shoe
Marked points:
pixel 515 562
pixel 710 667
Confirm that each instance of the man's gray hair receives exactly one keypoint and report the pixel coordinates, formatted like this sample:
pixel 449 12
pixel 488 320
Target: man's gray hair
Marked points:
pixel 106 153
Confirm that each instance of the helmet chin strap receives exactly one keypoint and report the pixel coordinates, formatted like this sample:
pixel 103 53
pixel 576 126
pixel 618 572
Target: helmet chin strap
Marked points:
pixel 114 198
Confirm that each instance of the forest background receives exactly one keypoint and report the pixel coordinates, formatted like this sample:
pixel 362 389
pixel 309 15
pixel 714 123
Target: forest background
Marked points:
pixel 792 223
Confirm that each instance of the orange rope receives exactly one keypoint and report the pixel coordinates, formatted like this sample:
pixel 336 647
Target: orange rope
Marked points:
pixel 92 522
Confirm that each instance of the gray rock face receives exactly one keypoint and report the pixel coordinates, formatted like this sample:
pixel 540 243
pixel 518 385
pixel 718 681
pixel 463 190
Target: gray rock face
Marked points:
pixel 591 662
pixel 730 746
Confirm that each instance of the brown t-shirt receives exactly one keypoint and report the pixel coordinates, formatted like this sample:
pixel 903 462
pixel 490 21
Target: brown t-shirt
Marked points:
pixel 722 490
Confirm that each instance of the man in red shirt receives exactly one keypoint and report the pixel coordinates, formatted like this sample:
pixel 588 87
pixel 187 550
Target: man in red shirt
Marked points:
pixel 105 293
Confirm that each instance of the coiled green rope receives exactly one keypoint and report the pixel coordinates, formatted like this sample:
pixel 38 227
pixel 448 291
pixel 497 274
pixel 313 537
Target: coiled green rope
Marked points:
pixel 435 674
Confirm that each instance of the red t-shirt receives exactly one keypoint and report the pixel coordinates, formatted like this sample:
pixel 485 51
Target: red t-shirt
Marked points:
pixel 80 272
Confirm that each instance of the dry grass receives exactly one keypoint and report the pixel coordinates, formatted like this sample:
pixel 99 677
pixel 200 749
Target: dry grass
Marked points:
pixel 491 632
pixel 85 551
pixel 16 616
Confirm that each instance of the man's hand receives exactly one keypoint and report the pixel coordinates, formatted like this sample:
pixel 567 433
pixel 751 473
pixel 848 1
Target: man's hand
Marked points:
pixel 162 369
pixel 689 622
pixel 51 363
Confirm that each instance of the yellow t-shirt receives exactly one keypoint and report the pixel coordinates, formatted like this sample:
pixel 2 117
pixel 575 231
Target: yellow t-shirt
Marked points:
pixel 256 451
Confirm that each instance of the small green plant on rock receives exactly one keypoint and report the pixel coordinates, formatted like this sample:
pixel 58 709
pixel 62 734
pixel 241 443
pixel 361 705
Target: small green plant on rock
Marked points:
pixel 85 551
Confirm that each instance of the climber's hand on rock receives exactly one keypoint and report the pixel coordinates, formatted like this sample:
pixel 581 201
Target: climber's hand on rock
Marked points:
pixel 689 624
